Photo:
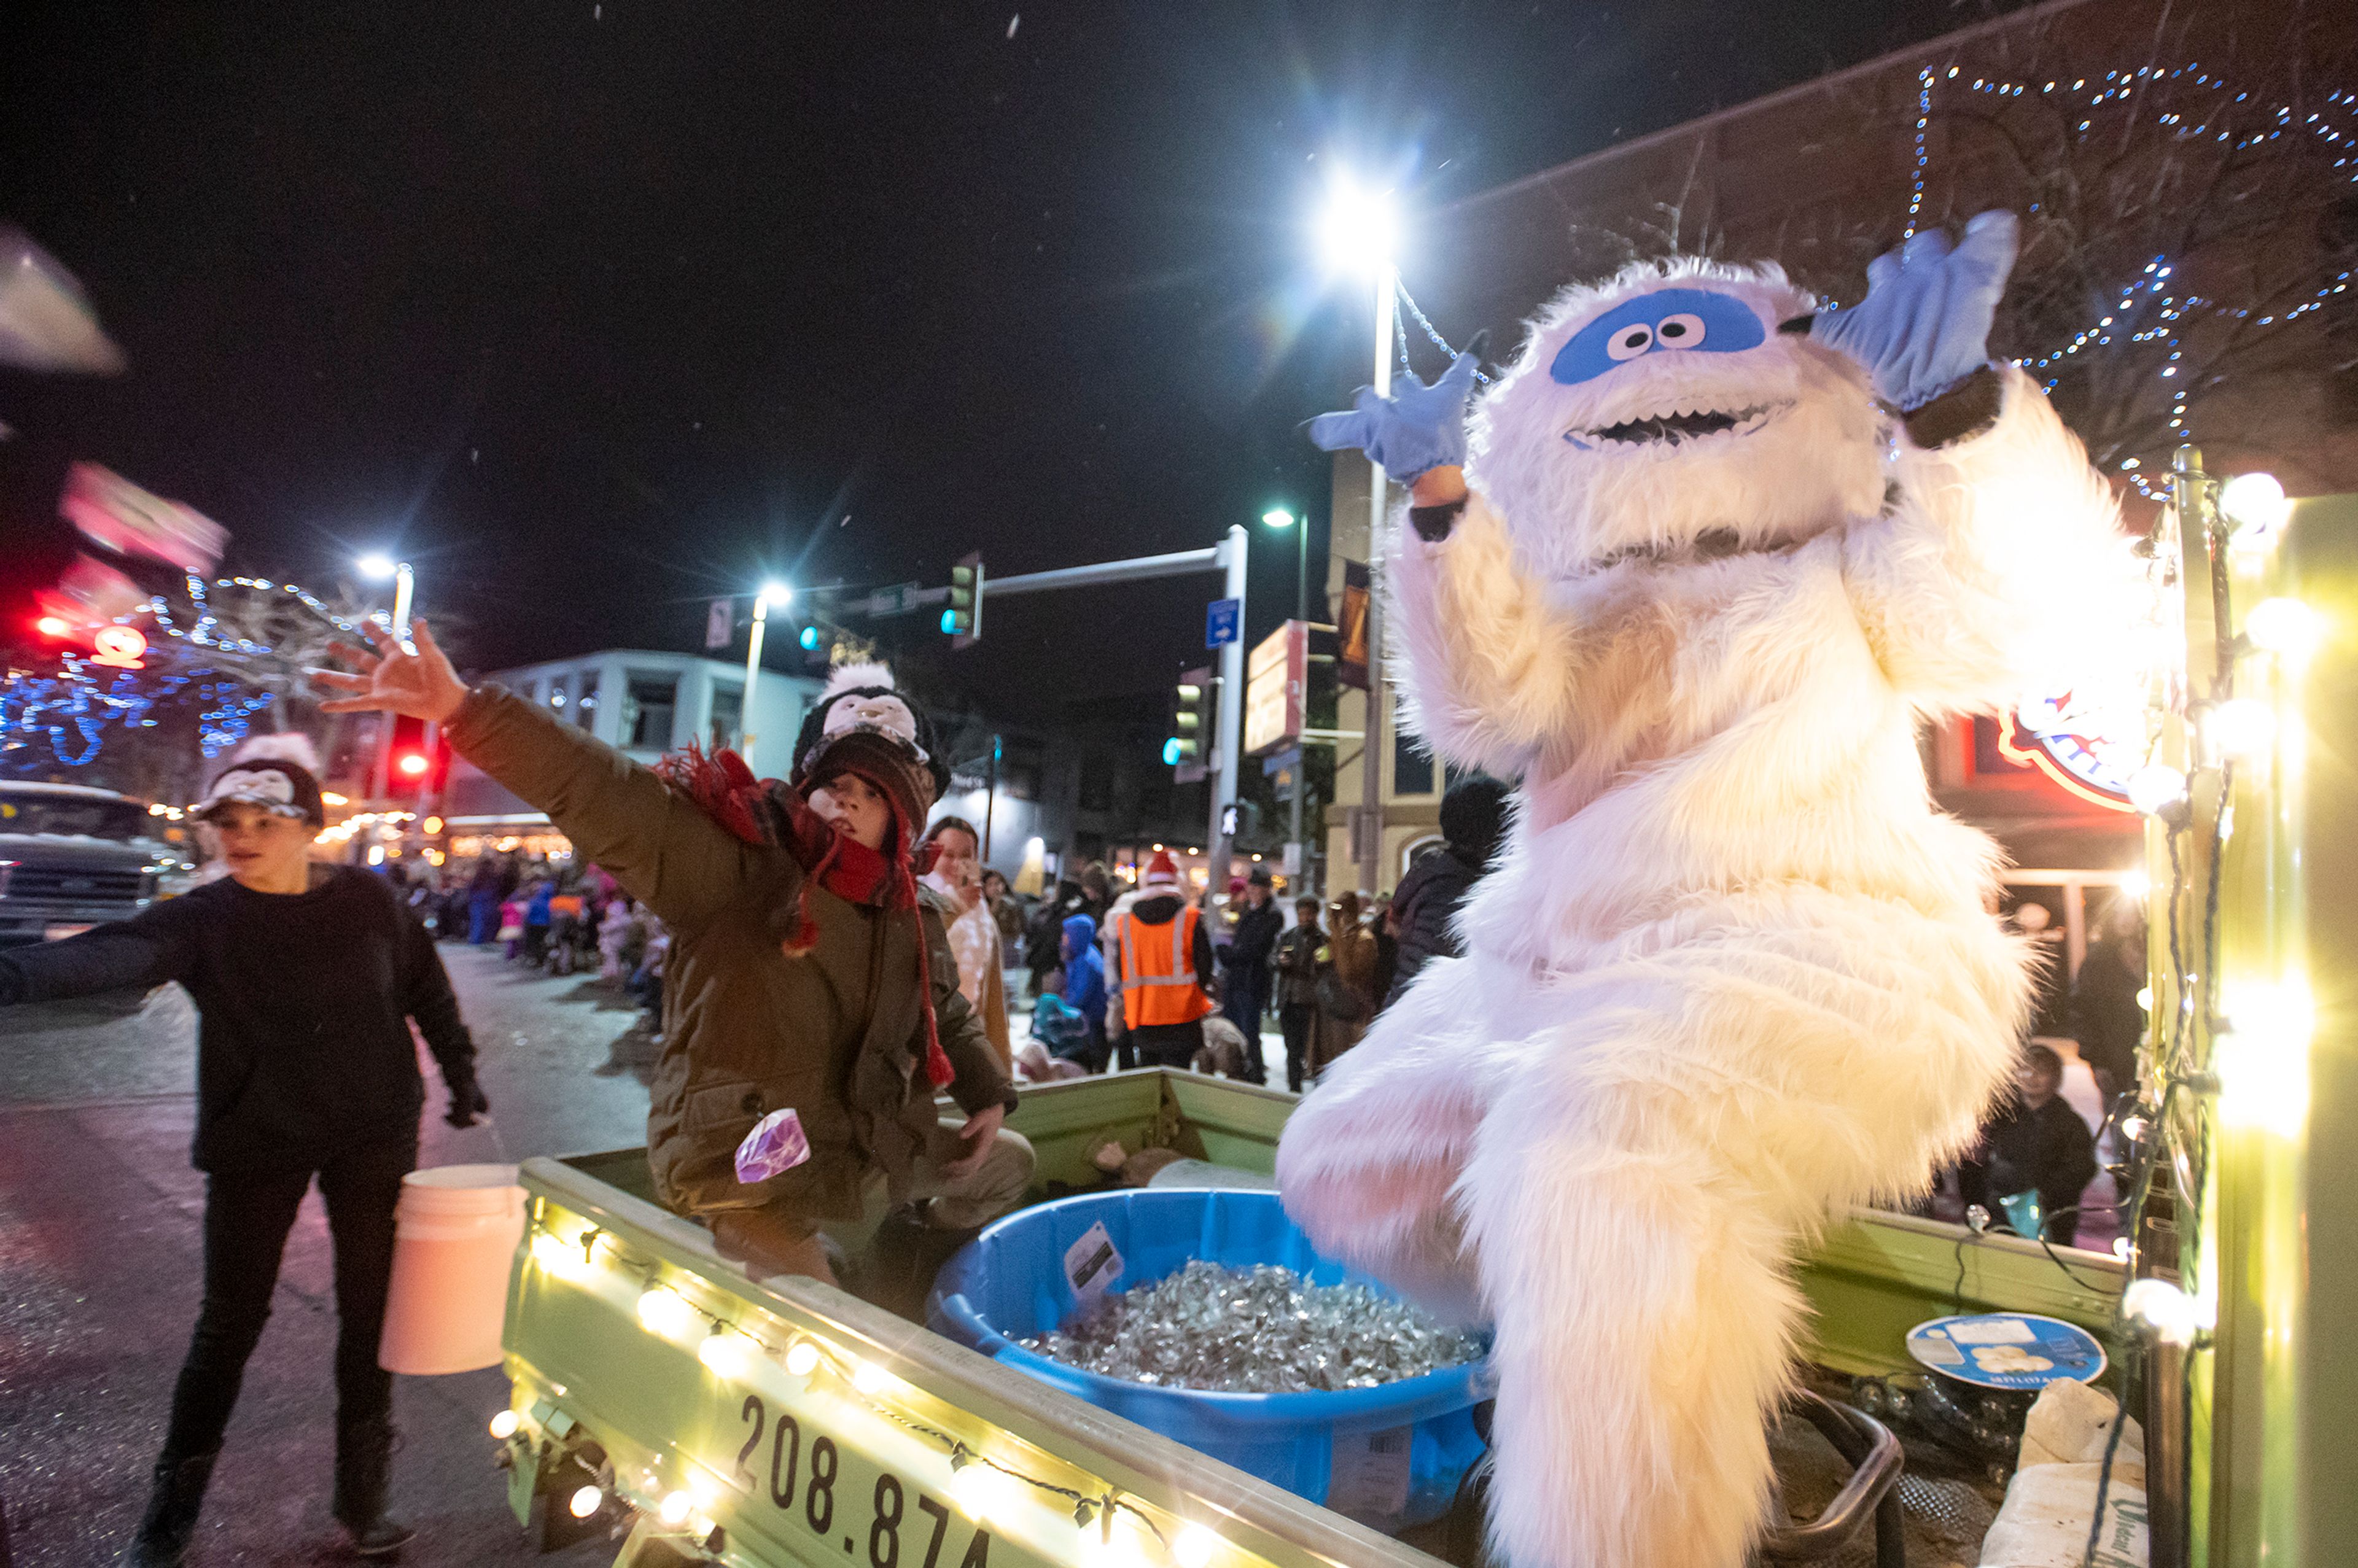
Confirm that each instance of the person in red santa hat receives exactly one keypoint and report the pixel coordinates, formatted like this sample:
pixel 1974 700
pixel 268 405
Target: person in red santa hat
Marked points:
pixel 1162 972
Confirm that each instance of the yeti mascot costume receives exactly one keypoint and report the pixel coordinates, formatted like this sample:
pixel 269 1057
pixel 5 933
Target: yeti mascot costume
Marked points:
pixel 1690 583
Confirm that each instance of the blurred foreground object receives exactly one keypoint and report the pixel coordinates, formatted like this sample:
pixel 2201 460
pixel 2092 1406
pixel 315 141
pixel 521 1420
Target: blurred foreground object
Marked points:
pixel 45 322
pixel 117 514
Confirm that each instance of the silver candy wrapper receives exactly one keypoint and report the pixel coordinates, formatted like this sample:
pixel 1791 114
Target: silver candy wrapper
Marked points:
pixel 1255 1331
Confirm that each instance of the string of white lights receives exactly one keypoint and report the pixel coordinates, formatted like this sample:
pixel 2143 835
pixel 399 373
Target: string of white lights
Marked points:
pixel 665 1309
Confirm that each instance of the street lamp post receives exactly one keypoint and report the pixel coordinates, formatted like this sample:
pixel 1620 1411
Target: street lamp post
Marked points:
pixel 780 596
pixel 1360 233
pixel 405 584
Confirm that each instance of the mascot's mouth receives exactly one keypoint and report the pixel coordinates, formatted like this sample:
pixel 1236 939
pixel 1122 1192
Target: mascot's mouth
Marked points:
pixel 1676 428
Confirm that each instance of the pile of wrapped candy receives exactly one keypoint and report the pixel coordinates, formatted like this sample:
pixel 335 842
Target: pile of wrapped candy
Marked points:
pixel 1261 1330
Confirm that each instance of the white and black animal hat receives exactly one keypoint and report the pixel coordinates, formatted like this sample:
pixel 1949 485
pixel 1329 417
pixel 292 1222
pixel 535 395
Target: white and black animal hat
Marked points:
pixel 864 723
pixel 277 772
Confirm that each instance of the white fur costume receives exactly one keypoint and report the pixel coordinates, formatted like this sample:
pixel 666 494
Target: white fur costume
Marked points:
pixel 1733 972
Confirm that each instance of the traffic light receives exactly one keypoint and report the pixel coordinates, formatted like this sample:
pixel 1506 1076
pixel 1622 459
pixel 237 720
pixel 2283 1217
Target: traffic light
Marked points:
pixel 809 639
pixel 1186 747
pixel 417 762
pixel 963 620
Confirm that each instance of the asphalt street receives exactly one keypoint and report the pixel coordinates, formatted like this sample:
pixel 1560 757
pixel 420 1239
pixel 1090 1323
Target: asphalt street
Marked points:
pixel 100 1272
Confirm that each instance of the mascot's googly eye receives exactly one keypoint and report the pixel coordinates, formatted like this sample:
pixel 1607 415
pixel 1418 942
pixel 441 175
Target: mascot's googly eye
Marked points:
pixel 1664 319
pixel 1680 329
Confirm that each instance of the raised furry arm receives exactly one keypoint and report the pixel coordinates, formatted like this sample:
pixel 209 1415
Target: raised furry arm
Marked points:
pixel 1488 663
pixel 2001 564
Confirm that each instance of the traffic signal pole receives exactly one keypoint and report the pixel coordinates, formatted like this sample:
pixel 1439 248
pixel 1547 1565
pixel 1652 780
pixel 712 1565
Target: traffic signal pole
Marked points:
pixel 1227 726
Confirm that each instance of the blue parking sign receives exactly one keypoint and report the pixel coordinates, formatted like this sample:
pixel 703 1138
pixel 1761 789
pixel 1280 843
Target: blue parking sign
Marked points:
pixel 1220 619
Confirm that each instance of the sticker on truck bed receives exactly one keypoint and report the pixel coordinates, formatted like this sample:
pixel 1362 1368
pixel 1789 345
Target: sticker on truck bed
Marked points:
pixel 1091 1266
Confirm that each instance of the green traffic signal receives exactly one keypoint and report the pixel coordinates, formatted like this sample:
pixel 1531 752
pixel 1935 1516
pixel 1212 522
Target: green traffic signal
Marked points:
pixel 962 621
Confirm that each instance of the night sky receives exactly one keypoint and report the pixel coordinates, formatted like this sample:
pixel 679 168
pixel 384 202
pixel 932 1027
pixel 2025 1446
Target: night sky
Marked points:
pixel 595 311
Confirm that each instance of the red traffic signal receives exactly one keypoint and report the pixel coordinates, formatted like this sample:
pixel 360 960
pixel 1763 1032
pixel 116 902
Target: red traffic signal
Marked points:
pixel 413 764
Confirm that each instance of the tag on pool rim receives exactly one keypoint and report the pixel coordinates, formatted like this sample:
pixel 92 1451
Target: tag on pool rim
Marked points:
pixel 1091 1266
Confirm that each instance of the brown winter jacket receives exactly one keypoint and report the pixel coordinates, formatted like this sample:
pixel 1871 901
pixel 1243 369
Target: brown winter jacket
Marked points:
pixel 838 1033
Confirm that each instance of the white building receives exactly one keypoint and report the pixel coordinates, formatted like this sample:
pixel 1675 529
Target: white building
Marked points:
pixel 643 703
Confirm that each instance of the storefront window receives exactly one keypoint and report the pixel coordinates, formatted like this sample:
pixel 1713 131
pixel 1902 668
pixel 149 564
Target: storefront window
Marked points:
pixel 648 704
pixel 728 721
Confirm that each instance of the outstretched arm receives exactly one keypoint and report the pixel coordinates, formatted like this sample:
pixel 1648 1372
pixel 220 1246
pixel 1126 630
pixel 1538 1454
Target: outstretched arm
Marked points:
pixel 665 850
pixel 1491 666
pixel 2000 549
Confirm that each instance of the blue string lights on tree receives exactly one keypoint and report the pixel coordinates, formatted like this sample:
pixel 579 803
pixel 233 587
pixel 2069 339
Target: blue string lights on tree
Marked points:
pixel 253 654
pixel 2206 123
pixel 47 720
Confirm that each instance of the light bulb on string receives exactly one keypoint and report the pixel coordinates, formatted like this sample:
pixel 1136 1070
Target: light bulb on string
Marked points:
pixel 504 1424
pixel 2242 728
pixel 586 1500
pixel 1196 1547
pixel 663 1310
pixel 674 1508
pixel 2156 788
pixel 2287 627
pixel 2256 503
pixel 725 1352
pixel 802 1357
pixel 2162 1308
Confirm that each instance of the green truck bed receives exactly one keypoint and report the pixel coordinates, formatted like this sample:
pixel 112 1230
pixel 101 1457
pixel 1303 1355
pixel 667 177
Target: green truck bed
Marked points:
pixel 787 1422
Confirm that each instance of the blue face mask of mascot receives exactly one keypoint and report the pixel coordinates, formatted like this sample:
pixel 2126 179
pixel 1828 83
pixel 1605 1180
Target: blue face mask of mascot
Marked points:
pixel 1694 571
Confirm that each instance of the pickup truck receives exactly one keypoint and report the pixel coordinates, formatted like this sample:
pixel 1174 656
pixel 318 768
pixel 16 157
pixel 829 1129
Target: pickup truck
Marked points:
pixel 73 857
pixel 705 1418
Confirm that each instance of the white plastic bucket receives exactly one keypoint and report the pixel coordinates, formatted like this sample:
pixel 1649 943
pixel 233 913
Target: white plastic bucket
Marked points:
pixel 455 1236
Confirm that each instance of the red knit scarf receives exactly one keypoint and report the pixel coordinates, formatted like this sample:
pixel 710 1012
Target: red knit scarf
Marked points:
pixel 726 790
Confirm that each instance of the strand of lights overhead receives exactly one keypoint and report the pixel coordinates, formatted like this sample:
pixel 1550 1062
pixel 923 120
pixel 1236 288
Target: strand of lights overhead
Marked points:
pixel 733 1349
pixel 2335 125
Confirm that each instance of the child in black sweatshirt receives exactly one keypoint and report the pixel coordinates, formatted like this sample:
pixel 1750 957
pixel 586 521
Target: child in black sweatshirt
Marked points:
pixel 306 977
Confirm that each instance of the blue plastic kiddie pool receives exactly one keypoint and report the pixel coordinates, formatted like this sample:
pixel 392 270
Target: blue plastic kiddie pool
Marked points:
pixel 1390 1457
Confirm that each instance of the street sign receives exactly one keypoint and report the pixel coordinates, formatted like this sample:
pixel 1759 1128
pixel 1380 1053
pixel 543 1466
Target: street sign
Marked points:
pixel 898 600
pixel 1274 681
pixel 1280 762
pixel 720 623
pixel 1221 619
pixel 1293 859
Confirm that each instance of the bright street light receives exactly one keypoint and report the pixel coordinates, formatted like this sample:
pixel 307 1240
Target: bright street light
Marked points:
pixel 1278 517
pixel 777 595
pixel 1359 227
pixel 377 567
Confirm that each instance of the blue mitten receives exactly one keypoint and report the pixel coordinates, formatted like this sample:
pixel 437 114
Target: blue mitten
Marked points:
pixel 1924 325
pixel 1416 428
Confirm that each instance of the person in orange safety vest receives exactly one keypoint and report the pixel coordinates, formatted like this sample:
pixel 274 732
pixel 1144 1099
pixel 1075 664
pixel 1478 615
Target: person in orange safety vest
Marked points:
pixel 1163 970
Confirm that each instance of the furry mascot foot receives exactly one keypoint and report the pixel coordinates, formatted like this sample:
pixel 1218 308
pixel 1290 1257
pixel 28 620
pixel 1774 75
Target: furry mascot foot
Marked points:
pixel 1691 582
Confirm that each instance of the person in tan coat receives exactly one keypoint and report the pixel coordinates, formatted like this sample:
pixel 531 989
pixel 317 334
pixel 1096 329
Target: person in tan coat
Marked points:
pixel 807 970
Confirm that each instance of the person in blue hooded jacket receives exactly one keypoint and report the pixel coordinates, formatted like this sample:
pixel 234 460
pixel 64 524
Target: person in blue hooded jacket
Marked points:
pixel 1085 986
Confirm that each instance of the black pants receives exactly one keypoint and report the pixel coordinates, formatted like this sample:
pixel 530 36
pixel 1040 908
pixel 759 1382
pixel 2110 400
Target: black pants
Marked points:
pixel 247 1215
pixel 1166 1044
pixel 1296 1018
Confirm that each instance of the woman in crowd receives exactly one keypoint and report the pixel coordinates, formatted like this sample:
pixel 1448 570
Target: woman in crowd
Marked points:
pixel 956 879
pixel 1346 992
pixel 306 977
